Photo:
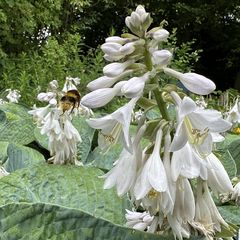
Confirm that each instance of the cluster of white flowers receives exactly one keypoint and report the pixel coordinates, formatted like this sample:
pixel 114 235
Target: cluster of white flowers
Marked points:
pixel 54 120
pixel 171 178
pixel 12 96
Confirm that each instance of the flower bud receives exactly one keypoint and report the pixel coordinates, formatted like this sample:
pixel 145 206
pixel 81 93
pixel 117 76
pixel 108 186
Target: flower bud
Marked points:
pixel 115 69
pixel 161 57
pixel 116 39
pixel 195 83
pixel 160 35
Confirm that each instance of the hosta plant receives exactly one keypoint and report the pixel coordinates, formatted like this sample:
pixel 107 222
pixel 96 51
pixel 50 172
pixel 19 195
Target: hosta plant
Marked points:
pixel 167 167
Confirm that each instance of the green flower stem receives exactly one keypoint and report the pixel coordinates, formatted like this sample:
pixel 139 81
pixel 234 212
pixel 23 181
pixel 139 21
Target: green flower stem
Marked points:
pixel 157 93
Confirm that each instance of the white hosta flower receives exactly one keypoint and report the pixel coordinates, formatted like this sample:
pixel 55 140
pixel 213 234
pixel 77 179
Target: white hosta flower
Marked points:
pixel 101 97
pixel 218 179
pixel 116 39
pixel 40 113
pixel 124 172
pixel 114 125
pixel 46 97
pixel 195 125
pixel 184 209
pixel 161 57
pixel 195 83
pixel 114 69
pixel 139 21
pixel 236 193
pixel 137 220
pixel 134 86
pixel 186 163
pixel 53 85
pixel 206 211
pixel 152 175
pixel 105 82
pixel 70 84
pixel 233 115
pixel 13 95
pixel 3 172
pixel 111 48
pixel 160 35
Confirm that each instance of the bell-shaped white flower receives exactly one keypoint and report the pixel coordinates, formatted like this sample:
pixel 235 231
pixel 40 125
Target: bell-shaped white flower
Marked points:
pixel 53 85
pixel 134 86
pixel 114 125
pixel 124 172
pixel 13 95
pixel 184 209
pixel 138 220
pixel 233 115
pixel 161 57
pixel 218 179
pixel 114 69
pixel 195 83
pixel 236 193
pixel 186 163
pixel 160 35
pixel 195 125
pixel 206 211
pixel 152 175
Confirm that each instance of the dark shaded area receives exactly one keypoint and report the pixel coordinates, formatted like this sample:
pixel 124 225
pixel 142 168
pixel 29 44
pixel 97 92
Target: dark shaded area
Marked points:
pixel 214 24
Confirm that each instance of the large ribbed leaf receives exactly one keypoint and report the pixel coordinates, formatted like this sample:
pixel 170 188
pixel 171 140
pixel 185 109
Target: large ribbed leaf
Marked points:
pixel 3 151
pixel 16 109
pixel 69 186
pixel 20 157
pixel 17 131
pixel 234 149
pixel 104 160
pixel 41 221
pixel 230 213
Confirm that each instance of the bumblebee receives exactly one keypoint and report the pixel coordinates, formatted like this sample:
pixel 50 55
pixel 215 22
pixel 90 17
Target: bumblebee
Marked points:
pixel 70 100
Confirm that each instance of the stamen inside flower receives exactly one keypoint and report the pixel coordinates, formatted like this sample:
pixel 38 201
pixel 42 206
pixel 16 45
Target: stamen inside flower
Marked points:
pixel 152 194
pixel 195 136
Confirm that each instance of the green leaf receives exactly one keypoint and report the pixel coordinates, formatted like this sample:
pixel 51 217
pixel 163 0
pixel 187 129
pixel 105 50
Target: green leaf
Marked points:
pixel 3 117
pixel 40 138
pixel 87 134
pixel 3 151
pixel 234 149
pixel 230 213
pixel 104 161
pixel 146 103
pixel 21 157
pixel 42 221
pixel 229 138
pixel 69 186
pixel 16 109
pixel 228 163
pixel 19 131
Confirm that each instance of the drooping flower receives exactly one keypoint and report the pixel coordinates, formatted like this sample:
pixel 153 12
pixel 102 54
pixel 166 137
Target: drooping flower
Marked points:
pixel 113 126
pixel 217 177
pixel 160 35
pixel 195 83
pixel 161 57
pixel 152 175
pixel 124 172
pixel 233 116
pixel 195 126
pixel 236 193
pixel 206 211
